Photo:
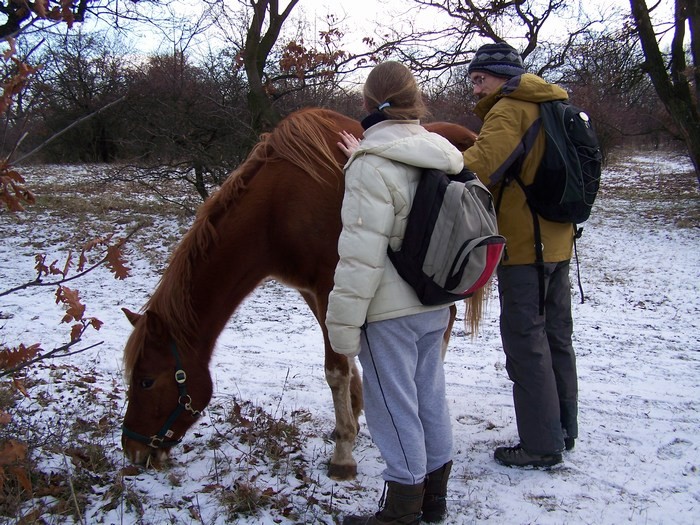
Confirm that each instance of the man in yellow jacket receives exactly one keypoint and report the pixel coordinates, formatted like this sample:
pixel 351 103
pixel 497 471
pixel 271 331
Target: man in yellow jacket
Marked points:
pixel 534 288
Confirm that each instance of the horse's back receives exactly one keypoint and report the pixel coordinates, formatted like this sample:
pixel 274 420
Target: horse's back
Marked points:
pixel 301 183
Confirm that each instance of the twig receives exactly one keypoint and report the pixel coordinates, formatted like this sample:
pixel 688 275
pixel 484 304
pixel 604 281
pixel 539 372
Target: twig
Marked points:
pixel 39 282
pixel 72 490
pixel 49 355
pixel 67 128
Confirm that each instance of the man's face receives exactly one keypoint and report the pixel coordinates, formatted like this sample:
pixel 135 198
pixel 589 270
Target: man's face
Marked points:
pixel 484 83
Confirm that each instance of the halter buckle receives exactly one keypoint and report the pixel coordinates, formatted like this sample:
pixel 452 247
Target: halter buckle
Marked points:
pixel 156 442
pixel 180 376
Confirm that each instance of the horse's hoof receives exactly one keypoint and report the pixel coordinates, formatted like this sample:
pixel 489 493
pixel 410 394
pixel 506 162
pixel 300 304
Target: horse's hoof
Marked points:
pixel 342 472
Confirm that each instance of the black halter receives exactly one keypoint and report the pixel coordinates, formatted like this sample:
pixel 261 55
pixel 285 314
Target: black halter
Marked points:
pixel 184 403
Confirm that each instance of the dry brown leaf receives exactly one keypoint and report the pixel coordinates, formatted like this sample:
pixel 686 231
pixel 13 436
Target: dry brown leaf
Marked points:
pixel 22 478
pixel 12 451
pixel 131 470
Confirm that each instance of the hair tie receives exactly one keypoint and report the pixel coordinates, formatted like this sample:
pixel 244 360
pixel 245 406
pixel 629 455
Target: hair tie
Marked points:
pixel 383 105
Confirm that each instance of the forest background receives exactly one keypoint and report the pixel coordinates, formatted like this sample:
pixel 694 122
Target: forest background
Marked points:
pixel 184 89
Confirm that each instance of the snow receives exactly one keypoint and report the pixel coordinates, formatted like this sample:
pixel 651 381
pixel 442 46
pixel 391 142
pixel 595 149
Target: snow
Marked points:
pixel 637 459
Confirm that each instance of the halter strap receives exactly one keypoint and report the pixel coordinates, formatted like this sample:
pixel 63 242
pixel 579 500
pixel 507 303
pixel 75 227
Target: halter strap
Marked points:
pixel 184 404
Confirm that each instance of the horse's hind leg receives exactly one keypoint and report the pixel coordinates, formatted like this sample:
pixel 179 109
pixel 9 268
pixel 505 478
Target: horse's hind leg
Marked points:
pixel 345 383
pixel 448 332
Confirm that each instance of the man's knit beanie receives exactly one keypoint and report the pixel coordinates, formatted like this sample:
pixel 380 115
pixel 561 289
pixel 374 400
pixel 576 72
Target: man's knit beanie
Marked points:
pixel 499 59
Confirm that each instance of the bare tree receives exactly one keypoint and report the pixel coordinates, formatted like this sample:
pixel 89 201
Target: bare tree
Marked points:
pixel 26 16
pixel 283 71
pixel 185 121
pixel 676 82
pixel 603 76
pixel 439 51
pixel 81 73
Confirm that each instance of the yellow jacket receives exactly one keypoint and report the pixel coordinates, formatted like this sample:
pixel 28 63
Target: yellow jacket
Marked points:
pixel 511 138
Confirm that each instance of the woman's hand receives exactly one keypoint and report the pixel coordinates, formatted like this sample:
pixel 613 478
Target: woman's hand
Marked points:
pixel 348 144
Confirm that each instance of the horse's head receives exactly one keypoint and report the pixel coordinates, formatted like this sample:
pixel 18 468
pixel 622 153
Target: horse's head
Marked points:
pixel 168 390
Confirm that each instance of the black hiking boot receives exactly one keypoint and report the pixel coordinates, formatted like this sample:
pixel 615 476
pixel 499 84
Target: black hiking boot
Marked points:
pixel 435 498
pixel 569 443
pixel 518 457
pixel 401 506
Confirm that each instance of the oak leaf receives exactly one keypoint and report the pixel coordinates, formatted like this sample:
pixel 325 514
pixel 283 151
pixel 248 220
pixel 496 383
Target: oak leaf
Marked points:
pixel 116 262
pixel 12 451
pixel 13 357
pixel 71 298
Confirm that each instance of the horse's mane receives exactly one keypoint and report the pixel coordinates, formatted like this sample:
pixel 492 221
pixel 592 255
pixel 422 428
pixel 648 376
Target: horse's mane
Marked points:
pixel 304 139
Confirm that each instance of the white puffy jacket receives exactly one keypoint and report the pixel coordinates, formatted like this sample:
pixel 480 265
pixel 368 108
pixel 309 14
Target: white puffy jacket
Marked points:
pixel 381 178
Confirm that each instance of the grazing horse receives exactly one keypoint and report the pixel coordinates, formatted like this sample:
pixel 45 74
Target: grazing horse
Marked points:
pixel 277 215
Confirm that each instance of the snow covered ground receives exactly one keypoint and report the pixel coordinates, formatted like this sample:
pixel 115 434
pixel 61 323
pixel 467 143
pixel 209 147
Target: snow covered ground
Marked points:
pixel 637 336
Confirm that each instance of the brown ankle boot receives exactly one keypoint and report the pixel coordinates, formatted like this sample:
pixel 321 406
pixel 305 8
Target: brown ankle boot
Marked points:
pixel 402 504
pixel 435 499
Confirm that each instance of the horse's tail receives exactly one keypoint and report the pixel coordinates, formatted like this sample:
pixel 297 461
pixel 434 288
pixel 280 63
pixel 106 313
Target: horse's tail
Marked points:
pixel 476 305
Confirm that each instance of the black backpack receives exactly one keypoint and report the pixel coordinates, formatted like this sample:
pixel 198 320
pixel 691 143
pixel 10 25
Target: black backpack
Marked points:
pixel 451 247
pixel 568 178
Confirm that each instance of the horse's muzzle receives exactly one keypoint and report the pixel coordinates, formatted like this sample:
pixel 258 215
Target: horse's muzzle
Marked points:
pixel 141 454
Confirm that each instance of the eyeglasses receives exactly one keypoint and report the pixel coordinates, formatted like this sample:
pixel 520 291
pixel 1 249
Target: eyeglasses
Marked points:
pixel 478 80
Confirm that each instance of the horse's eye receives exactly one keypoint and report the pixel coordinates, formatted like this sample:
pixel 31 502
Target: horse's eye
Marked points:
pixel 146 383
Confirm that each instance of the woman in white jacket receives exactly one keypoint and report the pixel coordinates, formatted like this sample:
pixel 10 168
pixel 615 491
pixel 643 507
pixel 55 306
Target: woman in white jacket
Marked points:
pixel 375 314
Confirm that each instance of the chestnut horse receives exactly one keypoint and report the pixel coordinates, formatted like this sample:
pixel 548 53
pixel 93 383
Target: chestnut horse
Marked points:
pixel 277 215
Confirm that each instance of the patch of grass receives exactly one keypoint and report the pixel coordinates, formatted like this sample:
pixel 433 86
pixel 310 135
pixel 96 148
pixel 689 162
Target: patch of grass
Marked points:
pixel 61 457
pixel 659 191
pixel 246 499
pixel 270 439
pixel 549 503
pixel 275 446
pixel 100 190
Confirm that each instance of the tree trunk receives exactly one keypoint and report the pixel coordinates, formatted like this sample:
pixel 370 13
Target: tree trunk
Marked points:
pixel 672 83
pixel 199 181
pixel 258 45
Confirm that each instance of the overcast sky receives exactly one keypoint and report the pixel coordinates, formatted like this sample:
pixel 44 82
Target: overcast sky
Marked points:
pixel 357 18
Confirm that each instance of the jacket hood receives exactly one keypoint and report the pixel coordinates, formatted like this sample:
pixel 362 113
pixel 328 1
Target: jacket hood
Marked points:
pixel 408 142
pixel 526 87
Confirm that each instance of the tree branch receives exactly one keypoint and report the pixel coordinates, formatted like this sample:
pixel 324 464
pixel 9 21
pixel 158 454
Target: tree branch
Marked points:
pixel 49 355
pixel 68 128
pixel 38 282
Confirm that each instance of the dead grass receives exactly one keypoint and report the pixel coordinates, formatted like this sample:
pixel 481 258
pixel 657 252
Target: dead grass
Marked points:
pixel 657 190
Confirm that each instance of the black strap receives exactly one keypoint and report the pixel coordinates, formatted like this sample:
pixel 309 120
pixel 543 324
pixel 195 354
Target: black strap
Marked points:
pixel 577 235
pixel 539 252
pixel 504 183
pixel 539 256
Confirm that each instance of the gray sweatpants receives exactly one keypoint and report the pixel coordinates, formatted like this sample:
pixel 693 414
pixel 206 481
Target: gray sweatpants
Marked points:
pixel 404 392
pixel 540 357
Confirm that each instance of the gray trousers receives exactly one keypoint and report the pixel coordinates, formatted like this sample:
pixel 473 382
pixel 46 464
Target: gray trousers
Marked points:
pixel 540 357
pixel 404 392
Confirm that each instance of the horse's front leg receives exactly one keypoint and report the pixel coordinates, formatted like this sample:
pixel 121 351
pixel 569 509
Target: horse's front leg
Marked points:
pixel 346 388
pixel 345 383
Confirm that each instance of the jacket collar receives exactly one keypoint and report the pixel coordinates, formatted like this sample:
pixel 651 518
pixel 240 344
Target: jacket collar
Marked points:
pixel 373 118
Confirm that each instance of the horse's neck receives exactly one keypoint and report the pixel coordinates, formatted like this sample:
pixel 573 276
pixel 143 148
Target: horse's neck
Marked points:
pixel 225 274
pixel 217 296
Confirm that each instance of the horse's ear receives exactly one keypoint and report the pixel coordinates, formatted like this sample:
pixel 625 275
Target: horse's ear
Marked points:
pixel 131 316
pixel 155 326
